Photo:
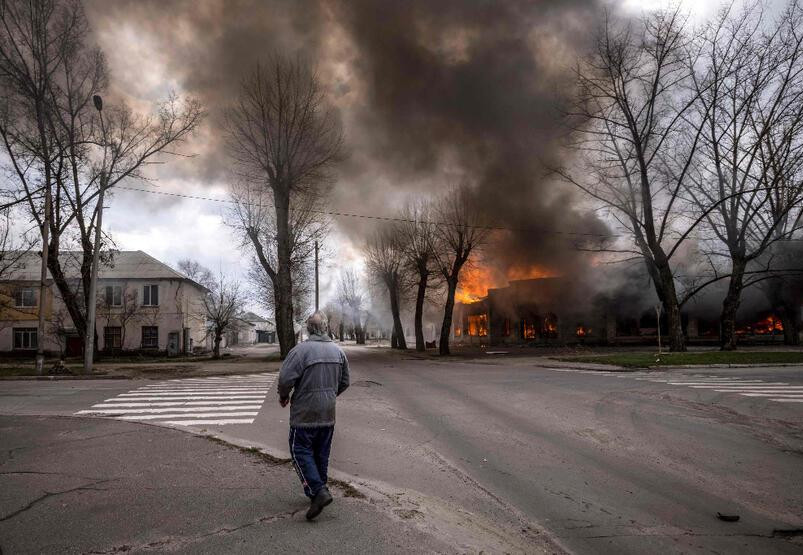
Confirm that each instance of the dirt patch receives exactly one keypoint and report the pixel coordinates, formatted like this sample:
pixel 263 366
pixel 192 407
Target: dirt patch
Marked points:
pixel 409 514
pixel 255 452
pixel 347 489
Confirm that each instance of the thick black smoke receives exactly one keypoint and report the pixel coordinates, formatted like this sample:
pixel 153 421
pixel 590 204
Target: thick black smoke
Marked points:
pixel 431 93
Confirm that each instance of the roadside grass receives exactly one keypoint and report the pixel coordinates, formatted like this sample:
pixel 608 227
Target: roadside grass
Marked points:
pixel 7 371
pixel 643 360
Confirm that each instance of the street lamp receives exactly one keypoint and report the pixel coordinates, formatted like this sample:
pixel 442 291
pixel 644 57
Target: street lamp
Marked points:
pixel 89 345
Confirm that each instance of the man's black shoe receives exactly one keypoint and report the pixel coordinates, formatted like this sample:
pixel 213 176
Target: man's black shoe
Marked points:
pixel 321 500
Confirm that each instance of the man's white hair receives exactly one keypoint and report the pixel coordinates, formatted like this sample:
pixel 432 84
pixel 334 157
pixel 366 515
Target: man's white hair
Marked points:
pixel 317 324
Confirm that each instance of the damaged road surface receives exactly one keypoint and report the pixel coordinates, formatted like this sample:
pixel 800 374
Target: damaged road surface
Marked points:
pixel 77 485
pixel 503 454
pixel 594 462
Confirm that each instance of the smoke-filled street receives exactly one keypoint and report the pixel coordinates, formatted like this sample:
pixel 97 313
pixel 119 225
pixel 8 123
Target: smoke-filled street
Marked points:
pixel 371 276
pixel 525 454
pixel 604 462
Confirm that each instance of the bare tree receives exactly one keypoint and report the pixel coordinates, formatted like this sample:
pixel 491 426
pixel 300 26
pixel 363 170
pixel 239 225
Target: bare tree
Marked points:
pixel 751 98
pixel 637 137
pixel 385 260
pixel 352 299
pixel 417 240
pixel 334 315
pixel 283 138
pixel 14 244
pixel 222 304
pixel 460 231
pixel 262 287
pixel 62 150
pixel 195 271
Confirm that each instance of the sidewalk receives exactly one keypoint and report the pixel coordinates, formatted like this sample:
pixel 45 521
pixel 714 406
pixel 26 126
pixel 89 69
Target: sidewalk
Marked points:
pixel 73 485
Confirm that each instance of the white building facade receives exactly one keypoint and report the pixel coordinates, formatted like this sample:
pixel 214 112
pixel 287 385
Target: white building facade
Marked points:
pixel 142 305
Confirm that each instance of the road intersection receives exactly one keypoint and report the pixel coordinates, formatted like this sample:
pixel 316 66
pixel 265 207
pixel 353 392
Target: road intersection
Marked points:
pixel 597 462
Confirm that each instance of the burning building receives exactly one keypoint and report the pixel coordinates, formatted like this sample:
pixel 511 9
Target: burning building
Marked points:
pixel 563 310
pixel 539 310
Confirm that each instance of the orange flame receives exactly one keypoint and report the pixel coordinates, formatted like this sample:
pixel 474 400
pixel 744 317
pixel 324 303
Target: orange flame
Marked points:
pixel 770 324
pixel 475 282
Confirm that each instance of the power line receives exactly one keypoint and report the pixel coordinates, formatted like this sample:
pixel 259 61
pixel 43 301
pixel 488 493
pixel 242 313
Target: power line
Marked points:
pixel 375 217
pixel 395 219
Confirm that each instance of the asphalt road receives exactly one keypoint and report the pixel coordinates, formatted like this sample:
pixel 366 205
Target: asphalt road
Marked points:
pixel 598 462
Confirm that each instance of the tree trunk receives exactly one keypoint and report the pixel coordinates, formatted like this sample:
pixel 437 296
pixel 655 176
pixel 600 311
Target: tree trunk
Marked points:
pixel 393 342
pixel 341 329
pixel 216 348
pixel 666 290
pixel 730 305
pixel 68 296
pixel 398 331
pixel 420 345
pixel 359 332
pixel 446 327
pixel 791 328
pixel 284 286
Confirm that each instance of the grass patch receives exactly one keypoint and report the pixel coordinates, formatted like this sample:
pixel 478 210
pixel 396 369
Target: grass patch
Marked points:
pixel 642 360
pixel 18 371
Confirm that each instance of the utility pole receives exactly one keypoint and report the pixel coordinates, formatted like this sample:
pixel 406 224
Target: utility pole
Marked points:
pixel 89 347
pixel 658 319
pixel 316 276
pixel 40 330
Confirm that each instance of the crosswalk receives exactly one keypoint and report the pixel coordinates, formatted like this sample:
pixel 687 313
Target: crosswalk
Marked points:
pixel 776 391
pixel 215 400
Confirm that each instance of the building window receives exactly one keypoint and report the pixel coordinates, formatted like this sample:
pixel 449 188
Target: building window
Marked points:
pixel 506 328
pixel 150 296
pixel 528 330
pixel 551 325
pixel 112 338
pixel 25 338
pixel 478 325
pixel 114 295
pixel 150 337
pixel 25 297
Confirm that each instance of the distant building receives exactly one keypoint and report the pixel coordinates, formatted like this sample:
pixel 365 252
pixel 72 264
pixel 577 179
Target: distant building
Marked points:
pixel 559 311
pixel 249 329
pixel 142 305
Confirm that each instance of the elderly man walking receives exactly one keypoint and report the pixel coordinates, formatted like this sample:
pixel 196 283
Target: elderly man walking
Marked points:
pixel 316 371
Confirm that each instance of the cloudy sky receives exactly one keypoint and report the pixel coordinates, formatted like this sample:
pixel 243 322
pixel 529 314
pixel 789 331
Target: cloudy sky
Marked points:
pixel 429 94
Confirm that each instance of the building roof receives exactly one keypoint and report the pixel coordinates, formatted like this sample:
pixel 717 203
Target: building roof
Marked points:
pixel 121 265
pixel 251 317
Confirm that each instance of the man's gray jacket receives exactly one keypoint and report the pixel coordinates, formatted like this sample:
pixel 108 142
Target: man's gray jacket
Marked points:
pixel 316 371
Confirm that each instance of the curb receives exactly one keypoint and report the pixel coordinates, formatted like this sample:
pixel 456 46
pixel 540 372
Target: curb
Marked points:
pixel 668 367
pixel 63 378
pixel 67 377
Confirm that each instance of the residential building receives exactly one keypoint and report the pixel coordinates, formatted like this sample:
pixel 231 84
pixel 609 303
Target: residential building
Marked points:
pixel 142 305
pixel 249 329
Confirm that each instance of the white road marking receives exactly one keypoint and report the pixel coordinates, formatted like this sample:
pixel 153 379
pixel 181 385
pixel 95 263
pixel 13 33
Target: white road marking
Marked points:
pixel 790 395
pixel 199 415
pixel 171 404
pixel 729 382
pixel 211 397
pixel 759 390
pixel 191 392
pixel 781 392
pixel 209 422
pixel 124 410
pixel 190 402
pixel 779 385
